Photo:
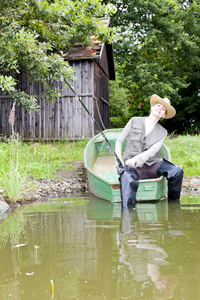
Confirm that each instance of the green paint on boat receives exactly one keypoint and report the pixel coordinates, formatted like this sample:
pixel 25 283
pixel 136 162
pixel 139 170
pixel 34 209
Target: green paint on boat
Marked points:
pixel 102 173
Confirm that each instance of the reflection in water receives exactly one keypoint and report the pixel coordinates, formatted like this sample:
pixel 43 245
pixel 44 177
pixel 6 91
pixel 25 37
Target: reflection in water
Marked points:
pixel 87 248
pixel 164 285
pixel 143 255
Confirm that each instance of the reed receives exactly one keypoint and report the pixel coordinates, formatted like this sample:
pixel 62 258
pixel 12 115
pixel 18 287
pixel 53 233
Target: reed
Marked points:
pixel 15 182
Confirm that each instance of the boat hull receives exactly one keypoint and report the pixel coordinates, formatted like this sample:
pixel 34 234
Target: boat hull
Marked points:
pixel 102 172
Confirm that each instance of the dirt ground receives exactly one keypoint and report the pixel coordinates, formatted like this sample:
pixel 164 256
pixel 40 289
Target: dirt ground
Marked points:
pixel 78 172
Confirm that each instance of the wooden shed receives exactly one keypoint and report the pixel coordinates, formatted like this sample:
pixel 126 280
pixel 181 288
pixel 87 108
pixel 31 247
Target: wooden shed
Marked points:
pixel 65 117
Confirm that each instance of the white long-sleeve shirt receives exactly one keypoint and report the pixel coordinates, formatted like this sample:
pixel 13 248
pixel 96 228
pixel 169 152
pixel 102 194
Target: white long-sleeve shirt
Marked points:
pixel 141 158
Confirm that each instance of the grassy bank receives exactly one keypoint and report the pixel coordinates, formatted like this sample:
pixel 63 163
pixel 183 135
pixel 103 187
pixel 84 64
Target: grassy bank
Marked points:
pixel 185 151
pixel 21 161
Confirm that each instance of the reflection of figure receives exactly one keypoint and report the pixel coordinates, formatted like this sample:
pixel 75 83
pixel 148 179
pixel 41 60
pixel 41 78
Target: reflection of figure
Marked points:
pixel 144 256
pixel 163 285
pixel 138 252
pixel 145 138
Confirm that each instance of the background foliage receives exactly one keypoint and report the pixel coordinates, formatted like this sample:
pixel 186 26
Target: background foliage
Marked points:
pixel 158 52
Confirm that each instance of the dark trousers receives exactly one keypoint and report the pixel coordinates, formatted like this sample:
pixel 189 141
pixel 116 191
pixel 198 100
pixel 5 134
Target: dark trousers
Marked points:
pixel 130 177
pixel 174 175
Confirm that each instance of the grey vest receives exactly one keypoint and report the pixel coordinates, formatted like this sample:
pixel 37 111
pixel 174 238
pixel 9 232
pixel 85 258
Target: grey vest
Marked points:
pixel 138 142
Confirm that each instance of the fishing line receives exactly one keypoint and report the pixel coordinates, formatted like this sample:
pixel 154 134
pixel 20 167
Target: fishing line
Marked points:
pixel 94 121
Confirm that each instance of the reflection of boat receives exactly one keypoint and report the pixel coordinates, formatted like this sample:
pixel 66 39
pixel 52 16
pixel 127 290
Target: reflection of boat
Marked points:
pixel 102 174
pixel 152 212
pixel 99 209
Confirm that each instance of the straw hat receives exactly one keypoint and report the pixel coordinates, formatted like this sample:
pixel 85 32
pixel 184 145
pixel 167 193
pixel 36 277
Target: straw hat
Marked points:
pixel 166 103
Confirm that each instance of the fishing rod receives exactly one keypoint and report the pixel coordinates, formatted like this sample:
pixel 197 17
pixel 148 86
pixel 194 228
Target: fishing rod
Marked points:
pixel 93 120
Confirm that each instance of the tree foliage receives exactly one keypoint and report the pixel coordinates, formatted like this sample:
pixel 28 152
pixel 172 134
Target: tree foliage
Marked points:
pixel 33 34
pixel 158 51
pixel 119 96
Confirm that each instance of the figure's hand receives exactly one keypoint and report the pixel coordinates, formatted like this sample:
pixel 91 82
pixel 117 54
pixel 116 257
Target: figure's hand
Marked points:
pixel 131 162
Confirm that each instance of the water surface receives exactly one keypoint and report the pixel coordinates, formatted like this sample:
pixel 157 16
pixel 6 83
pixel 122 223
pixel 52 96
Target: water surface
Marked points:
pixel 87 248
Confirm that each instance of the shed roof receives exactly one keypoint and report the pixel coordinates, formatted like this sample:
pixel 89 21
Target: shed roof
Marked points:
pixel 95 51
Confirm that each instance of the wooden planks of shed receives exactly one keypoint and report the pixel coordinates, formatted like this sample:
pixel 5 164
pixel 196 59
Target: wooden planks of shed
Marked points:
pixel 64 118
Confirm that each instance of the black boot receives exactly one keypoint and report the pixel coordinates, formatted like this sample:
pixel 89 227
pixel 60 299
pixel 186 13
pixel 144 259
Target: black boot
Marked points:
pixel 174 175
pixel 129 185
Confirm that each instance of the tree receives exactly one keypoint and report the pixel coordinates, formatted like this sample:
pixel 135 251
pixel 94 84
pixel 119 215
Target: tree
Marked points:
pixel 119 96
pixel 34 34
pixel 158 51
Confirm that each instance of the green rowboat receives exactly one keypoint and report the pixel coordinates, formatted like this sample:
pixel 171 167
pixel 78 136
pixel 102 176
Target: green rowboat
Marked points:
pixel 102 172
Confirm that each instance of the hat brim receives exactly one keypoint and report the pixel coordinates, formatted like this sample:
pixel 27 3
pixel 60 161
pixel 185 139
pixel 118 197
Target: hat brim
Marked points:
pixel 170 109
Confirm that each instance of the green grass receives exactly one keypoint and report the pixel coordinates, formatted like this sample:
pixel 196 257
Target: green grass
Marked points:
pixel 21 161
pixel 40 160
pixel 185 151
pixel 15 182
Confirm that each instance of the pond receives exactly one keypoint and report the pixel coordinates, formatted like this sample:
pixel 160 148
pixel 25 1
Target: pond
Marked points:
pixel 86 248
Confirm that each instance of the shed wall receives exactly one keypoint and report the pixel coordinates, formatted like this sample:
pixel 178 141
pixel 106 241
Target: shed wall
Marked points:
pixel 101 94
pixel 104 61
pixel 63 118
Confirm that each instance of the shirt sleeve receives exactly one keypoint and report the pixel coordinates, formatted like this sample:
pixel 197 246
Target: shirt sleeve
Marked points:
pixel 144 156
pixel 121 139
